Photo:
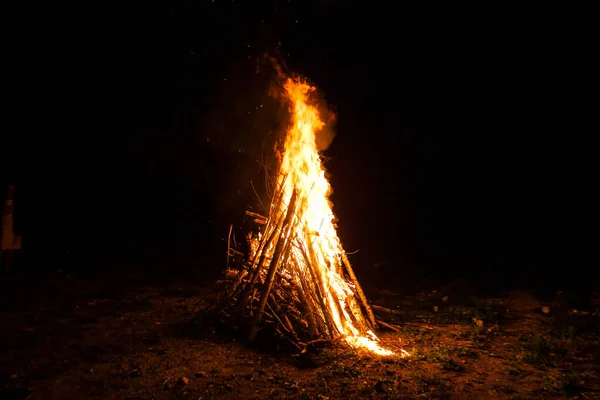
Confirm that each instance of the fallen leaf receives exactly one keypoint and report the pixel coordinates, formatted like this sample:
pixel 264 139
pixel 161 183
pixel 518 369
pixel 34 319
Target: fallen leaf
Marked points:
pixel 436 308
pixel 445 298
pixel 545 310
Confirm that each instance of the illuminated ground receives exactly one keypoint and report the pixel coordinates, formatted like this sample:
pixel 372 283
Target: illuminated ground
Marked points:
pixel 74 338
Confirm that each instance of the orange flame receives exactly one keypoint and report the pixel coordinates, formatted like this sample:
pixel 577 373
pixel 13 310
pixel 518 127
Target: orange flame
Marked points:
pixel 314 232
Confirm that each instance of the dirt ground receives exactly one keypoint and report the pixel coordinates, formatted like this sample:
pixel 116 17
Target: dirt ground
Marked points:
pixel 72 337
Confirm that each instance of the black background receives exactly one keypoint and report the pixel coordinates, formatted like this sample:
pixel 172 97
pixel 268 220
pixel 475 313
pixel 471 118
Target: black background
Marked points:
pixel 142 129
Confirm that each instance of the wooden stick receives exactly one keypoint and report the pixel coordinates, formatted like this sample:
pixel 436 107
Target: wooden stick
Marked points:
pixel 355 311
pixel 389 326
pixel 228 253
pixel 387 310
pixel 275 262
pixel 255 215
pixel 282 317
pixel 276 201
pixel 275 310
pixel 255 268
pixel 233 252
pixel 269 232
pixel 272 268
pixel 307 304
pixel 229 244
pixel 318 282
pixel 361 294
pixel 328 325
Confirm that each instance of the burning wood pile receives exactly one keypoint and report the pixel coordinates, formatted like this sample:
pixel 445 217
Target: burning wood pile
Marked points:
pixel 297 278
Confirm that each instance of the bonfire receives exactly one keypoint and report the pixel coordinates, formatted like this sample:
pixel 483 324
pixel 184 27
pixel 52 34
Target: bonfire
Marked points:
pixel 295 275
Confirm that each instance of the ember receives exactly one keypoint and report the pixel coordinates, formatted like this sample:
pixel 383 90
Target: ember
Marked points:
pixel 297 276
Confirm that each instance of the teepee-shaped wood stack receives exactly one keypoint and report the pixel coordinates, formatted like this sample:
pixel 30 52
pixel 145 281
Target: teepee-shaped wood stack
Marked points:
pixel 297 277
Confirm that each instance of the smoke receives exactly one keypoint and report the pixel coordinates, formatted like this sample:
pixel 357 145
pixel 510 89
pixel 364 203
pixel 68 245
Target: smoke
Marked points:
pixel 242 129
pixel 325 135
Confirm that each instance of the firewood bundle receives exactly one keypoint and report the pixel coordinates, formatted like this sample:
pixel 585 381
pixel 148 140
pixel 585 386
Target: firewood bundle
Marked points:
pixel 288 281
pixel 296 276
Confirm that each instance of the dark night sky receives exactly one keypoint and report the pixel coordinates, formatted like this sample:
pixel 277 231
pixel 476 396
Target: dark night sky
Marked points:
pixel 449 147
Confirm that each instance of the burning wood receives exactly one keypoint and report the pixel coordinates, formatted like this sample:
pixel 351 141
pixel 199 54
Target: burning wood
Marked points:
pixel 297 276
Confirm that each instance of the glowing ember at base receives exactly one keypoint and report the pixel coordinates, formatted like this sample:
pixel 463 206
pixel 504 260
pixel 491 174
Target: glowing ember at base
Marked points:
pixel 297 276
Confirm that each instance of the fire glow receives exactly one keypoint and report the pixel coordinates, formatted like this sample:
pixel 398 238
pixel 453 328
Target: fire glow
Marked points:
pixel 316 260
pixel 294 281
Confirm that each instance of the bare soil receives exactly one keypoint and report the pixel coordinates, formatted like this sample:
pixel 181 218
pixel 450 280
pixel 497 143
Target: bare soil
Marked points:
pixel 71 337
